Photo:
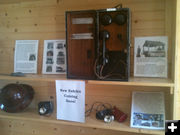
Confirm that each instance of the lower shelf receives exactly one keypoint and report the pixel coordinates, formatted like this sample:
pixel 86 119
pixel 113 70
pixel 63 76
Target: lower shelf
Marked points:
pixel 91 122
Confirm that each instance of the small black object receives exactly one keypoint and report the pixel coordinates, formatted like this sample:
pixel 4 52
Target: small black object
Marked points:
pixel 119 36
pixel 104 34
pixel 45 107
pixel 120 19
pixel 19 74
pixel 101 114
pixel 106 19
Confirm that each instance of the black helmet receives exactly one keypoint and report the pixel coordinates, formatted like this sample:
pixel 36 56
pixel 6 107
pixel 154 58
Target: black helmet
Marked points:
pixel 15 97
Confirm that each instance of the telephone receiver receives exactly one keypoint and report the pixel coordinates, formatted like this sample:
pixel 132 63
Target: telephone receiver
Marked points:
pixel 104 35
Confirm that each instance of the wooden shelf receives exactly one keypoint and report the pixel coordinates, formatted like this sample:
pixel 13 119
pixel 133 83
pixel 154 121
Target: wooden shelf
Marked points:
pixel 91 122
pixel 33 77
pixel 133 81
pixel 137 81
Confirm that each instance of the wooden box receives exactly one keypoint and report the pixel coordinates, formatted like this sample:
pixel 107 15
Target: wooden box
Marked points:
pixel 98 44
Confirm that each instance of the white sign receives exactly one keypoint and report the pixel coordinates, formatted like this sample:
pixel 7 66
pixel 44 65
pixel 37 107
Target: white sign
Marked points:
pixel 26 55
pixel 70 96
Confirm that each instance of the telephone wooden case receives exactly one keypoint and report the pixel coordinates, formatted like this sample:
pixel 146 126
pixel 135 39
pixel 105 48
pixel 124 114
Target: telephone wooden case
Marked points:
pixel 98 43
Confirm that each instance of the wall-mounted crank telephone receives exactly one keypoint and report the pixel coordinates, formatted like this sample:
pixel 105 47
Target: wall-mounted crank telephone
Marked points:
pixel 105 54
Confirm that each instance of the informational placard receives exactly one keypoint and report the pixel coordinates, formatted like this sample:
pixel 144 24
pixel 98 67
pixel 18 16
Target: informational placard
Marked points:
pixel 54 57
pixel 25 56
pixel 148 110
pixel 70 96
pixel 150 56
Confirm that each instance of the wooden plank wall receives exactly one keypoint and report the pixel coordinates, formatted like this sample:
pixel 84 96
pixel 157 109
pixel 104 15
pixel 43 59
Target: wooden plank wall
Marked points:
pixel 45 19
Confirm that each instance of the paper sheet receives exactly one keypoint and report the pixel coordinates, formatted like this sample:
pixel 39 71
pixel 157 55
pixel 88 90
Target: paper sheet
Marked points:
pixel 26 54
pixel 148 110
pixel 70 96
pixel 150 56
pixel 54 57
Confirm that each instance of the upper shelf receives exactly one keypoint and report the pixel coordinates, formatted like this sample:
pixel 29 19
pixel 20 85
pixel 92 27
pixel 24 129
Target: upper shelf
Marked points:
pixel 138 81
pixel 91 122
pixel 133 81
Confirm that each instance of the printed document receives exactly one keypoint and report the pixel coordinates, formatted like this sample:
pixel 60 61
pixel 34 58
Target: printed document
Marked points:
pixel 70 96
pixel 150 56
pixel 148 110
pixel 54 57
pixel 26 56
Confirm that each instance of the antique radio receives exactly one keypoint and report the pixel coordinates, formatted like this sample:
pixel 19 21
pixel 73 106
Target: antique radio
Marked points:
pixel 98 44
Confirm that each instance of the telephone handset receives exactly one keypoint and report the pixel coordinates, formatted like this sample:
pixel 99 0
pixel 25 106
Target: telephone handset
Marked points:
pixel 104 35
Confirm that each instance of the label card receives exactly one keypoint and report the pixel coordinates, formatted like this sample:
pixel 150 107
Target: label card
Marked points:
pixel 70 96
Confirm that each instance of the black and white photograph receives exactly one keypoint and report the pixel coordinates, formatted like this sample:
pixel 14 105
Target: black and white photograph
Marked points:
pixel 49 68
pixel 151 49
pixel 60 58
pixel 150 56
pixel 32 57
pixel 49 60
pixel 55 56
pixel 60 46
pixel 148 120
pixel 50 45
pixel 50 53
pixel 59 69
pixel 60 61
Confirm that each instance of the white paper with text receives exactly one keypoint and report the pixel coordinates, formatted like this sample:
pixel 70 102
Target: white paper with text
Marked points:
pixel 150 56
pixel 70 96
pixel 148 110
pixel 25 56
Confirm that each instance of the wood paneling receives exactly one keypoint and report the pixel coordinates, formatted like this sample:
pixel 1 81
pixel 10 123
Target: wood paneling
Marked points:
pixel 45 19
pixel 14 1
